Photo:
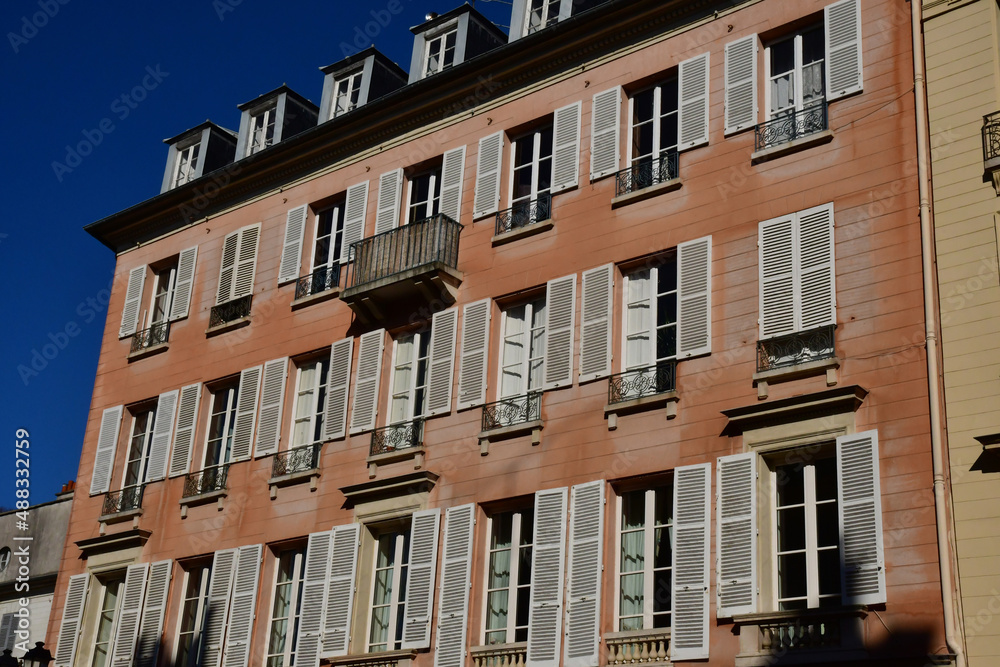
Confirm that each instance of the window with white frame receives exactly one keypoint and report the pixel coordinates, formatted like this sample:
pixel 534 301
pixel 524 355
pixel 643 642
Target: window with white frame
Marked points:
pixel 423 195
pixel 541 14
pixel 164 283
pixel 508 578
pixel 795 72
pixel 531 170
pixel 107 619
pixel 653 127
pixel 440 51
pixel 522 348
pixel 190 637
pixel 137 457
pixel 644 569
pixel 261 129
pixel 221 424
pixel 287 606
pixel 310 402
pixel 186 163
pixel 649 337
pixel 408 398
pixel 392 551
pixel 346 93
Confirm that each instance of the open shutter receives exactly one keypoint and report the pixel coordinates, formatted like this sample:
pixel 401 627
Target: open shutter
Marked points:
pixel 452 179
pixel 241 612
pixel 604 139
pixel 154 608
pixel 314 587
pixel 340 596
pixel 560 322
pixel 583 599
pixel 6 632
pixel 246 262
pixel 420 579
pixel 441 369
pixel 104 457
pixel 227 268
pixel 844 69
pixel 291 250
pixel 817 292
pixel 595 331
pixel 737 526
pixel 186 263
pixel 355 210
pixel 366 383
pixel 187 413
pixel 741 84
pixel 566 147
pixel 338 381
pixel 217 608
pixel 272 396
pixel 545 607
pixel 246 413
pixel 689 584
pixel 127 622
pixel 475 354
pixel 133 300
pixel 862 570
pixel 692 111
pixel 776 251
pixel 163 431
pixel 390 186
pixel 694 287
pixel 69 626
pixel 453 606
pixel 488 175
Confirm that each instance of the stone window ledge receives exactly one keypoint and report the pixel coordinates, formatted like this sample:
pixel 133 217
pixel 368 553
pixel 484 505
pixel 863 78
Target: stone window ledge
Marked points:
pixel 646 193
pixel 827 636
pixel 292 478
pixel 523 232
pixel 403 658
pixel 203 499
pixel 533 427
pixel 228 326
pixel 638 647
pixel 668 399
pixel 794 146
pixel 120 517
pixel 417 454
pixel 513 654
pixel 319 297
pixel 828 366
pixel 148 351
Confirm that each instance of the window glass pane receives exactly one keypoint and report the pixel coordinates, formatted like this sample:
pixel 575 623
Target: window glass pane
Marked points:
pixel 827 525
pixel 789 483
pixel 829 573
pixel 663 547
pixel 782 57
pixel 791 528
pixel 826 478
pixel 633 510
pixel 631 600
pixel 661 594
pixel 792 576
pixel 666 343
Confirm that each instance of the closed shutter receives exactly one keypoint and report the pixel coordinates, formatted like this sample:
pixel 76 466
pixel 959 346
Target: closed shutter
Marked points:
pixel 217 608
pixel 817 291
pixel 127 621
pixel 844 69
pixel 737 526
pixel 187 414
pixel 776 251
pixel 420 579
pixel 241 612
pixel 560 322
pixel 272 396
pixel 186 263
pixel 246 262
pixel 340 596
pixel 315 576
pixel 390 185
pixel 604 139
pixel 583 599
pixel 154 608
pixel 741 84
pixel 862 568
pixel 689 584
pixel 6 632
pixel 355 211
pixel 338 381
pixel 441 370
pixel 163 431
pixel 366 383
pixel 475 354
pixel 69 626
pixel 488 175
pixel 692 111
pixel 453 606
pixel 104 457
pixel 452 179
pixel 694 287
pixel 566 147
pixel 246 413
pixel 227 268
pixel 595 331
pixel 291 249
pixel 133 301
pixel 545 607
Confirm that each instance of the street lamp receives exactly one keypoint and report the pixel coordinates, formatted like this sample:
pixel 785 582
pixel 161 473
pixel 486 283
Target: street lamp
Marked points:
pixel 7 660
pixel 36 657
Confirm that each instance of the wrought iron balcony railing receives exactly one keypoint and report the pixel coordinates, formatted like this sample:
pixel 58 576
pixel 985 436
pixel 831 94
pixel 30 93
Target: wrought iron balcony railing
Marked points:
pixel 417 244
pixel 154 335
pixel 641 382
pixel 294 460
pixel 796 348
pixel 126 500
pixel 230 311
pixel 322 279
pixel 205 481
pixel 647 173
pixel 524 213
pixel 397 436
pixel 991 136
pixel 513 411
pixel 791 126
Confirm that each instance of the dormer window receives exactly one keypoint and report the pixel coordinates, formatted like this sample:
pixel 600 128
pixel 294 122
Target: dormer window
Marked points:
pixel 261 129
pixel 186 166
pixel 441 52
pixel 542 14
pixel 272 118
pixel 196 152
pixel 347 93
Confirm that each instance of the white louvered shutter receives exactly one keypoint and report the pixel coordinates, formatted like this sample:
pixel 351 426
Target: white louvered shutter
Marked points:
pixel 604 135
pixel 475 354
pixel 187 414
pixel 390 186
pixel 314 588
pixel 844 68
pixel 456 572
pixel 420 579
pixel 488 175
pixel 217 609
pixel 291 249
pixel 7 632
pixel 694 296
pixel 355 211
pixel 133 301
pixel 246 413
pixel 340 595
pixel 560 323
pixel 163 431
pixel 186 263
pixel 595 330
pixel 241 612
pixel 127 617
pixel 583 598
pixel 692 110
pixel 452 180
pixel 227 267
pixel 69 626
pixel 246 261
pixel 545 607
pixel 272 396
pixel 817 290
pixel 689 584
pixel 107 443
pixel 337 384
pixel 366 382
pixel 741 84
pixel 776 263
pixel 862 571
pixel 441 366
pixel 154 607
pixel 566 147
pixel 736 587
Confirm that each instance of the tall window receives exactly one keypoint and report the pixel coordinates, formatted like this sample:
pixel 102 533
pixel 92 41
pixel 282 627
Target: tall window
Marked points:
pixel 532 177
pixel 523 348
pixel 163 295
pixel 261 130
pixel 186 163
pixel 424 195
pixel 346 92
pixel 286 608
pixel 509 577
pixel 440 54
pixel 310 403
pixel 219 446
pixel 796 75
pixel 409 377
pixel 138 449
pixel 542 14
pixel 651 315
pixel 654 123
pixel 392 552
pixel 193 606
pixel 108 615
pixel 644 558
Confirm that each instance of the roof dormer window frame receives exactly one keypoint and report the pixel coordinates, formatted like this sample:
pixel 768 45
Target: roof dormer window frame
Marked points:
pixel 188 154
pixel 269 113
pixel 550 8
pixel 354 78
pixel 439 37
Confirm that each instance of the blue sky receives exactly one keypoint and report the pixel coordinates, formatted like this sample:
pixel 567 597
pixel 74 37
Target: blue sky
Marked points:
pixel 65 65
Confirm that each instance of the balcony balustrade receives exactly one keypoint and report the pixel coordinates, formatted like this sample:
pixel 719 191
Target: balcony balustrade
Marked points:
pixel 299 459
pixel 795 349
pixel 792 125
pixel 512 411
pixel 151 337
pixel 396 437
pixel 524 214
pixel 126 500
pixel 642 382
pixel 206 481
pixel 230 311
pixel 991 148
pixel 646 173
pixel 321 280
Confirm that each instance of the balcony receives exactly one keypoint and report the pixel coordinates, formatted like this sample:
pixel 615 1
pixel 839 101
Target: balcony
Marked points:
pixel 511 417
pixel 149 340
pixel 294 466
pixel 404 270
pixel 229 314
pixel 638 647
pixel 524 219
pixel 792 131
pixel 991 148
pixel 122 505
pixel 204 486
pixel 397 442
pixel 827 636
pixel 500 655
pixel 319 285
pixel 642 389
pixel 795 355
pixel 646 178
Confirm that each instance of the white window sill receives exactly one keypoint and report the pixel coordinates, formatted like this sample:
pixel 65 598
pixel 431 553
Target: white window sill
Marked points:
pixel 403 658
pixel 668 399
pixel 120 517
pixel 315 298
pixel 646 193
pixel 533 427
pixel 203 499
pixel 828 366
pixel 148 351
pixel 293 478
pixel 228 326
pixel 407 453
pixel 522 232
pixel 794 146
